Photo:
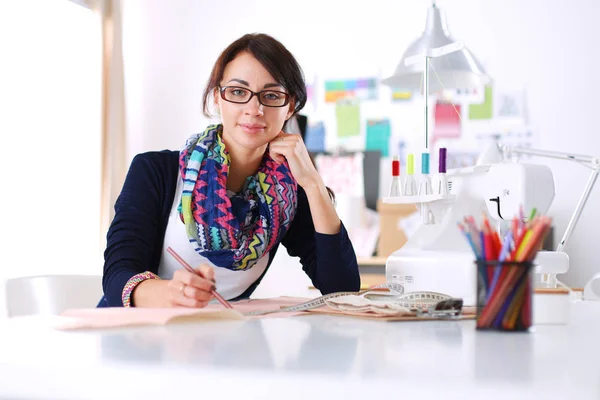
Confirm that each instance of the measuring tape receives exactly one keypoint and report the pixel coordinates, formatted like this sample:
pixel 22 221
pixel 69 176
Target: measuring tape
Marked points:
pixel 413 300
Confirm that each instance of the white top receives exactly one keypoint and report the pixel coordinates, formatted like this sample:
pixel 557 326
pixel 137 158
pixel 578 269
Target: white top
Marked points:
pixel 230 284
pixel 304 357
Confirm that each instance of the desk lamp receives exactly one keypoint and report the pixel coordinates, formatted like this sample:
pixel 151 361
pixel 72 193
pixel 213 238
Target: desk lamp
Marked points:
pixel 436 257
pixel 591 162
pixel 451 61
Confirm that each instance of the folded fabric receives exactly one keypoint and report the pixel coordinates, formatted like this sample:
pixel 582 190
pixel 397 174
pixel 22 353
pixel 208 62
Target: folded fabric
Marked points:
pixel 359 303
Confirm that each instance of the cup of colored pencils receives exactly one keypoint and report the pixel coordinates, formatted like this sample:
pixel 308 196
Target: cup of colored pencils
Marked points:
pixel 505 270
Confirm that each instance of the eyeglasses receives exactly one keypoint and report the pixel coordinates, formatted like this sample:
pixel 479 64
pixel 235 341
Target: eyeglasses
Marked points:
pixel 268 98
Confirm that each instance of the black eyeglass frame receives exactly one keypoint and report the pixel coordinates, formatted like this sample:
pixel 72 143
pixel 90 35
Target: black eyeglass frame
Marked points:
pixel 287 96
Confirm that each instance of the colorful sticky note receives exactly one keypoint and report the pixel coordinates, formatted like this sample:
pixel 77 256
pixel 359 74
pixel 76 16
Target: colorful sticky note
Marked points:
pixel 509 104
pixel 378 135
pixel 483 110
pixel 347 114
pixel 401 95
pixel 342 174
pixel 350 84
pixel 447 121
pixel 315 137
pixel 335 95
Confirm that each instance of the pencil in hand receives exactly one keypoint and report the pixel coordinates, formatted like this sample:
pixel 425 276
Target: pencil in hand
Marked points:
pixel 196 272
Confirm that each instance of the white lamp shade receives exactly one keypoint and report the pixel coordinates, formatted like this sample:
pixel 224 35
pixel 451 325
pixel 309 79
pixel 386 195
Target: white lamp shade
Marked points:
pixel 459 69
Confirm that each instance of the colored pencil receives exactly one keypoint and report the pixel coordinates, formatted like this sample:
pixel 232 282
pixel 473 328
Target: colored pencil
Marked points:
pixel 505 268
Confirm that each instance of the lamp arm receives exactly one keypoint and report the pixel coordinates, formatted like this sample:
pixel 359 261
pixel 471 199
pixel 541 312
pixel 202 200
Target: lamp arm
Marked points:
pixel 508 150
pixel 426 93
pixel 595 161
pixel 595 165
pixel 578 210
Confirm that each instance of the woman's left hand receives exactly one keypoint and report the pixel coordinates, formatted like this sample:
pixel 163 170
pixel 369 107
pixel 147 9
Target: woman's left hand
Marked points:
pixel 291 146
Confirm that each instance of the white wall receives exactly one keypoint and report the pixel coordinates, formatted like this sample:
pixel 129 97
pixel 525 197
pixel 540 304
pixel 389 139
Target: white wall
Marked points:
pixel 50 102
pixel 545 45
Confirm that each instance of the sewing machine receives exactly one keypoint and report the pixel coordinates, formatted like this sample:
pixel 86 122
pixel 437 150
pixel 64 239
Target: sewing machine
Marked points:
pixel 437 256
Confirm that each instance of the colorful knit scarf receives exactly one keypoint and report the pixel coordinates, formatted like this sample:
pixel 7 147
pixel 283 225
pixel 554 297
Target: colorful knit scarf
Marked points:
pixel 233 238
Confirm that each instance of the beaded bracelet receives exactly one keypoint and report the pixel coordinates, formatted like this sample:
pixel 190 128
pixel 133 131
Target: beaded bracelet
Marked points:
pixel 132 283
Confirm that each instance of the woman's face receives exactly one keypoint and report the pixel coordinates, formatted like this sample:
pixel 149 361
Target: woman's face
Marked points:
pixel 251 125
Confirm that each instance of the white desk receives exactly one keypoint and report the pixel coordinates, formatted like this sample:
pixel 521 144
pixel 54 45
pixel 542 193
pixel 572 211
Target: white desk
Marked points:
pixel 304 357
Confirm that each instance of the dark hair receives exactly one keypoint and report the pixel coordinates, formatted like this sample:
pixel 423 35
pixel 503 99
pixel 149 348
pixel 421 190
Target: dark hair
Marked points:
pixel 273 55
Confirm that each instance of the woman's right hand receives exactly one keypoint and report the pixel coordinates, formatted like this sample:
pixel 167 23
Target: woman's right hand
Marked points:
pixel 190 290
pixel 184 290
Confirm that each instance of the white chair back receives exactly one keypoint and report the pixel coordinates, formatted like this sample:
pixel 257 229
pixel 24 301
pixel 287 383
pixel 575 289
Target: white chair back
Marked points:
pixel 51 294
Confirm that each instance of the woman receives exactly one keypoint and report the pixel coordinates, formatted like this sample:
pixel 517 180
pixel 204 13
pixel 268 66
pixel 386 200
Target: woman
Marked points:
pixel 230 197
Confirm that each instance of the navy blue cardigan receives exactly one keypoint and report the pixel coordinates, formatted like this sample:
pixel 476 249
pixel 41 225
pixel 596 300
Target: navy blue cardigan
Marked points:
pixel 136 234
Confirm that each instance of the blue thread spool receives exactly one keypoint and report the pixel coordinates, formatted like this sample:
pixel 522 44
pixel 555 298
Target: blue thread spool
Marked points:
pixel 425 163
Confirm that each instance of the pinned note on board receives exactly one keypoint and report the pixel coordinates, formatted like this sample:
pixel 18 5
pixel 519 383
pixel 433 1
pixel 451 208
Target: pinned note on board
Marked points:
pixel 401 94
pixel 363 89
pixel 347 114
pixel 447 121
pixel 378 135
pixel 315 137
pixel 485 109
pixel 342 173
pixel 510 105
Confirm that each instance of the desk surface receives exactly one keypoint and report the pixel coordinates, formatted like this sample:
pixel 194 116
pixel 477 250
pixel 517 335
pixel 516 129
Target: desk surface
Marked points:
pixel 304 357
